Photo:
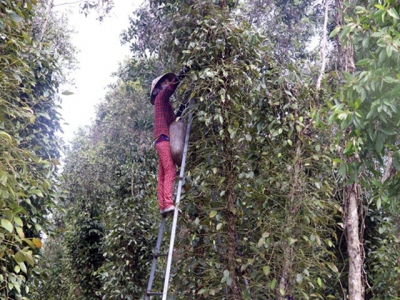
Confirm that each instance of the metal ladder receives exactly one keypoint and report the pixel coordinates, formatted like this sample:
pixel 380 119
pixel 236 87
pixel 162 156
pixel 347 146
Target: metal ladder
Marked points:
pixel 161 230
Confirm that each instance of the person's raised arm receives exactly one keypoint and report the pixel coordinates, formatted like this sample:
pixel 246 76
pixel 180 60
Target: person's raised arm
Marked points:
pixel 179 78
pixel 182 73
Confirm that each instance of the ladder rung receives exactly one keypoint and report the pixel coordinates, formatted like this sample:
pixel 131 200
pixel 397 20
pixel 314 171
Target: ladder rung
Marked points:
pixel 156 255
pixel 154 294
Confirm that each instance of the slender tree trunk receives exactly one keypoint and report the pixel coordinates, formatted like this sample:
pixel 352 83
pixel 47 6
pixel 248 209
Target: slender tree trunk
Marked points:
pixel 323 47
pixel 388 168
pixel 232 232
pixel 345 53
pixel 232 253
pixel 354 246
pixel 352 192
pixel 46 20
pixel 283 288
pixel 398 257
pixel 284 284
pixel 389 172
pixel 229 172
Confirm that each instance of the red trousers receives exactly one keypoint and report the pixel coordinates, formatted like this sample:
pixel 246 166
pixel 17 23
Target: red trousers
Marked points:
pixel 166 175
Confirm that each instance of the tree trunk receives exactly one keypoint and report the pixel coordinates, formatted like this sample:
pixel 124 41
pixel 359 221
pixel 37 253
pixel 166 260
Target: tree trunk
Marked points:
pixel 232 232
pixel 235 287
pixel 388 169
pixel 44 25
pixel 397 294
pixel 345 54
pixel 323 47
pixel 390 172
pixel 352 192
pixel 354 247
pixel 283 288
pixel 230 196
pixel 398 257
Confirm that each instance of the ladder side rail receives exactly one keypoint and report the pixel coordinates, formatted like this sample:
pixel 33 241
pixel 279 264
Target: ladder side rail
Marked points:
pixel 177 201
pixel 155 257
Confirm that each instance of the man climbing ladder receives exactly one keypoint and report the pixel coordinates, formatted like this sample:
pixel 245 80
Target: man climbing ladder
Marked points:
pixel 161 90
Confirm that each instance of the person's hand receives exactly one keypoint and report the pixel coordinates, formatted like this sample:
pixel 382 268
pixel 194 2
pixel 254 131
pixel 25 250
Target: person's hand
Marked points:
pixel 182 73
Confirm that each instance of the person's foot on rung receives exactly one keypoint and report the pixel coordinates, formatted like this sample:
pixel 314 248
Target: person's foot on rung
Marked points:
pixel 168 210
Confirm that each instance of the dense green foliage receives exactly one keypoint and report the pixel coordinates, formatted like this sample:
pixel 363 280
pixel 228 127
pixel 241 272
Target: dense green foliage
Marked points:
pixel 263 207
pixel 30 149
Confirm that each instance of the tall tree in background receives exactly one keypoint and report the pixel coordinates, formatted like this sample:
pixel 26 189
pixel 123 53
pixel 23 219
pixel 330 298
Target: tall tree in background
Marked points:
pixel 367 112
pixel 352 201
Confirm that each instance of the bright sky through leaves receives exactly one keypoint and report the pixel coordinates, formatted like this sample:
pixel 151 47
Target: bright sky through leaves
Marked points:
pixel 100 51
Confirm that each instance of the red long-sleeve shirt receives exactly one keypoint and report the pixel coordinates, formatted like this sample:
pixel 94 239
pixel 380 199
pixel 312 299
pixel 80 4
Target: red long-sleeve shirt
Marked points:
pixel 163 112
